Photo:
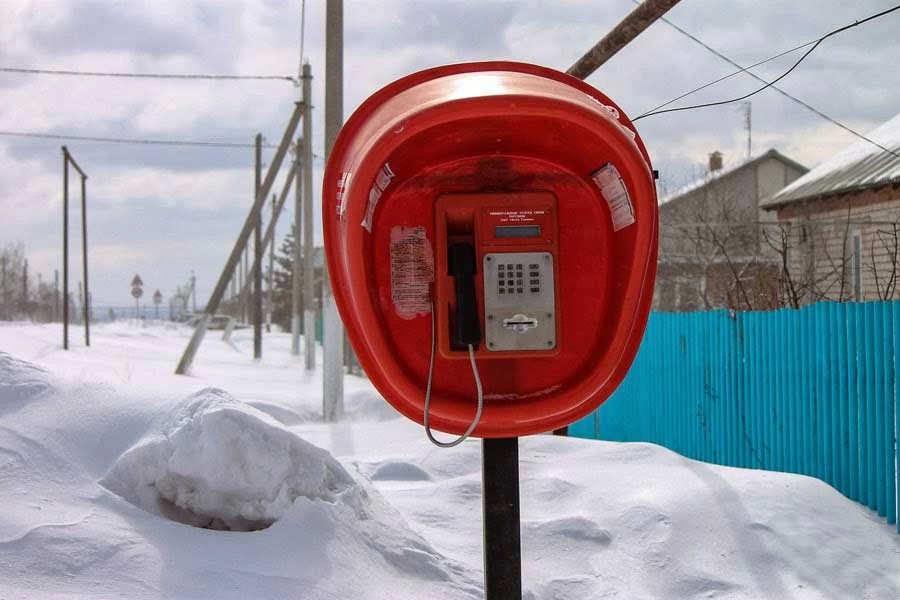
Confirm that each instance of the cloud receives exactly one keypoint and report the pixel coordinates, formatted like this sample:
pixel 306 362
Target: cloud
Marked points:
pixel 166 210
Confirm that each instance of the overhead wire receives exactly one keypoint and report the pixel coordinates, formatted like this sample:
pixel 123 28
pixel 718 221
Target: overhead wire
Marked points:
pixel 747 71
pixel 779 78
pixel 138 141
pixel 198 76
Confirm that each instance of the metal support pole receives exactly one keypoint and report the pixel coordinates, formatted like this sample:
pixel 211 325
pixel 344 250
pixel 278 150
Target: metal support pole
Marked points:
pixel 187 358
pixel 502 536
pixel 65 298
pixel 257 256
pixel 333 339
pixel 86 300
pixel 629 28
pixel 297 261
pixel 309 314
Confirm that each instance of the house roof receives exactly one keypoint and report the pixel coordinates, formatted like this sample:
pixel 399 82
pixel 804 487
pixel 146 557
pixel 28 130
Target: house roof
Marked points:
pixel 709 178
pixel 859 166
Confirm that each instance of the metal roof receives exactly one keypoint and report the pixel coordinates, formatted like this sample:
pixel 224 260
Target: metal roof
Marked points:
pixel 859 166
pixel 729 170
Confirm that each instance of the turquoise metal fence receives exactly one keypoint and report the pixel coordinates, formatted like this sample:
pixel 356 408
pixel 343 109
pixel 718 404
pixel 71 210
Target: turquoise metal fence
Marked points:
pixel 811 391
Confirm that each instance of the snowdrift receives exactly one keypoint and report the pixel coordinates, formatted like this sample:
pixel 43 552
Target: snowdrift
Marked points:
pixel 224 465
pixel 106 460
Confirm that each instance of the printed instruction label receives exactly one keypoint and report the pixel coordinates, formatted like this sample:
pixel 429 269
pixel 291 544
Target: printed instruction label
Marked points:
pixel 613 190
pixel 412 271
pixel 382 181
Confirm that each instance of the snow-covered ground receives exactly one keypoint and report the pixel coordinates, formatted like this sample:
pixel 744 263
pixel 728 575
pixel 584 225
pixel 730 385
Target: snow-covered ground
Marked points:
pixel 107 459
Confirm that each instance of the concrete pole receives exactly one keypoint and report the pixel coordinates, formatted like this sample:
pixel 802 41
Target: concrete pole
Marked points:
pixel 187 358
pixel 309 314
pixel 297 262
pixel 333 339
pixel 258 253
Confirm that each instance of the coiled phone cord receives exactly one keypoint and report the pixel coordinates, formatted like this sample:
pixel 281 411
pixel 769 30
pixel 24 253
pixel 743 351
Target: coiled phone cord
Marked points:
pixel 477 418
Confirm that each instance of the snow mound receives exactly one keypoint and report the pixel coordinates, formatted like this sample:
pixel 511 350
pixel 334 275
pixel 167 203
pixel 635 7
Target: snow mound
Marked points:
pixel 399 470
pixel 221 464
pixel 19 381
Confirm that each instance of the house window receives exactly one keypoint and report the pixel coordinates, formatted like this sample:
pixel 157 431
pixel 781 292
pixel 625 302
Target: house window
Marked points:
pixel 856 264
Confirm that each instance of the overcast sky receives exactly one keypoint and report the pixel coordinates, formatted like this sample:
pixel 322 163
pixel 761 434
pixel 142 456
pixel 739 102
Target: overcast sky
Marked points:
pixel 162 211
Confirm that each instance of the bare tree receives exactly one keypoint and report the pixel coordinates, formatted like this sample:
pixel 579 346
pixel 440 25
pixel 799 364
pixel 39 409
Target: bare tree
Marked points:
pixel 889 242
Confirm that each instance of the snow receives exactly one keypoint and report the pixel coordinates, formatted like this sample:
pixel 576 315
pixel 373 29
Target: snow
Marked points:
pixel 107 458
pixel 859 164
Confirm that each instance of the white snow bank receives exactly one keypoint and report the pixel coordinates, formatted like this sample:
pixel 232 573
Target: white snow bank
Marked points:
pixel 19 381
pixel 221 464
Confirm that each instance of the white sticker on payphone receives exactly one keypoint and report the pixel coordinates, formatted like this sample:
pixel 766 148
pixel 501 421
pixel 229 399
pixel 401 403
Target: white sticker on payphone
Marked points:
pixel 614 192
pixel 412 271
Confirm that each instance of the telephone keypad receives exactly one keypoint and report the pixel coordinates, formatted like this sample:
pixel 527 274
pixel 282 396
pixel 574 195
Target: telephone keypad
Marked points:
pixel 519 301
pixel 511 278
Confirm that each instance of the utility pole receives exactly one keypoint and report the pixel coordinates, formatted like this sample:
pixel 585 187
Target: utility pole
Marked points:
pixel 86 301
pixel 629 28
pixel 55 294
pixel 68 160
pixel 65 253
pixel 187 358
pixel 333 338
pixel 748 123
pixel 193 291
pixel 309 314
pixel 258 252
pixel 271 276
pixel 268 237
pixel 25 286
pixel 296 268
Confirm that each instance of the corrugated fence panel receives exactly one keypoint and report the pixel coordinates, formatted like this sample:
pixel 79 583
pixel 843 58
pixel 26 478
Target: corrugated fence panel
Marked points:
pixel 812 391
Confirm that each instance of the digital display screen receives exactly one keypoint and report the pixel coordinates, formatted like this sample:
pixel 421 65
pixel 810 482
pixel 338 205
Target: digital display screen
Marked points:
pixel 517 231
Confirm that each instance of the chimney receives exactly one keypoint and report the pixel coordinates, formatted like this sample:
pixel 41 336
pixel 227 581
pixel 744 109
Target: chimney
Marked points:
pixel 715 162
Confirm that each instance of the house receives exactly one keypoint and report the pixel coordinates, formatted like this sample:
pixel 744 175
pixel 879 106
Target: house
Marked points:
pixel 843 219
pixel 712 251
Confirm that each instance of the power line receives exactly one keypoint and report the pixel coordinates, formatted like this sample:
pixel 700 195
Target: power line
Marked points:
pixel 137 141
pixel 121 140
pixel 207 76
pixel 746 70
pixel 780 77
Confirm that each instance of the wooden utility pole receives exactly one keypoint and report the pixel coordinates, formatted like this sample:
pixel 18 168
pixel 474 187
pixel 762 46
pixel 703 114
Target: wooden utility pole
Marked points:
pixel 86 300
pixel 257 255
pixel 297 260
pixel 629 28
pixel 270 279
pixel 240 243
pixel 269 235
pixel 67 161
pixel 333 338
pixel 65 252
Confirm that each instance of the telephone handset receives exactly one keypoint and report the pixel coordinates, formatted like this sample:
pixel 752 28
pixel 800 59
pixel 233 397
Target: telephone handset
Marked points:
pixel 461 266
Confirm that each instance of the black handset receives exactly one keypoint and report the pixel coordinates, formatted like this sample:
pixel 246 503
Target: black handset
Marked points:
pixel 461 266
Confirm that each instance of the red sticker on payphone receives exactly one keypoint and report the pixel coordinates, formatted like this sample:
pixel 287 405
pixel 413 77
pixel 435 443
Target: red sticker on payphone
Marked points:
pixel 412 271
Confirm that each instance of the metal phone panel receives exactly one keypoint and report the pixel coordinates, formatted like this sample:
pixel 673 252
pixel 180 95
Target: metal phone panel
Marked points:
pixel 519 301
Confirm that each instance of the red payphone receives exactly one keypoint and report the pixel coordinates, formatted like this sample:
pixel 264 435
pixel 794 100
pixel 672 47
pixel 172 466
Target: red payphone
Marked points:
pixel 491 234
